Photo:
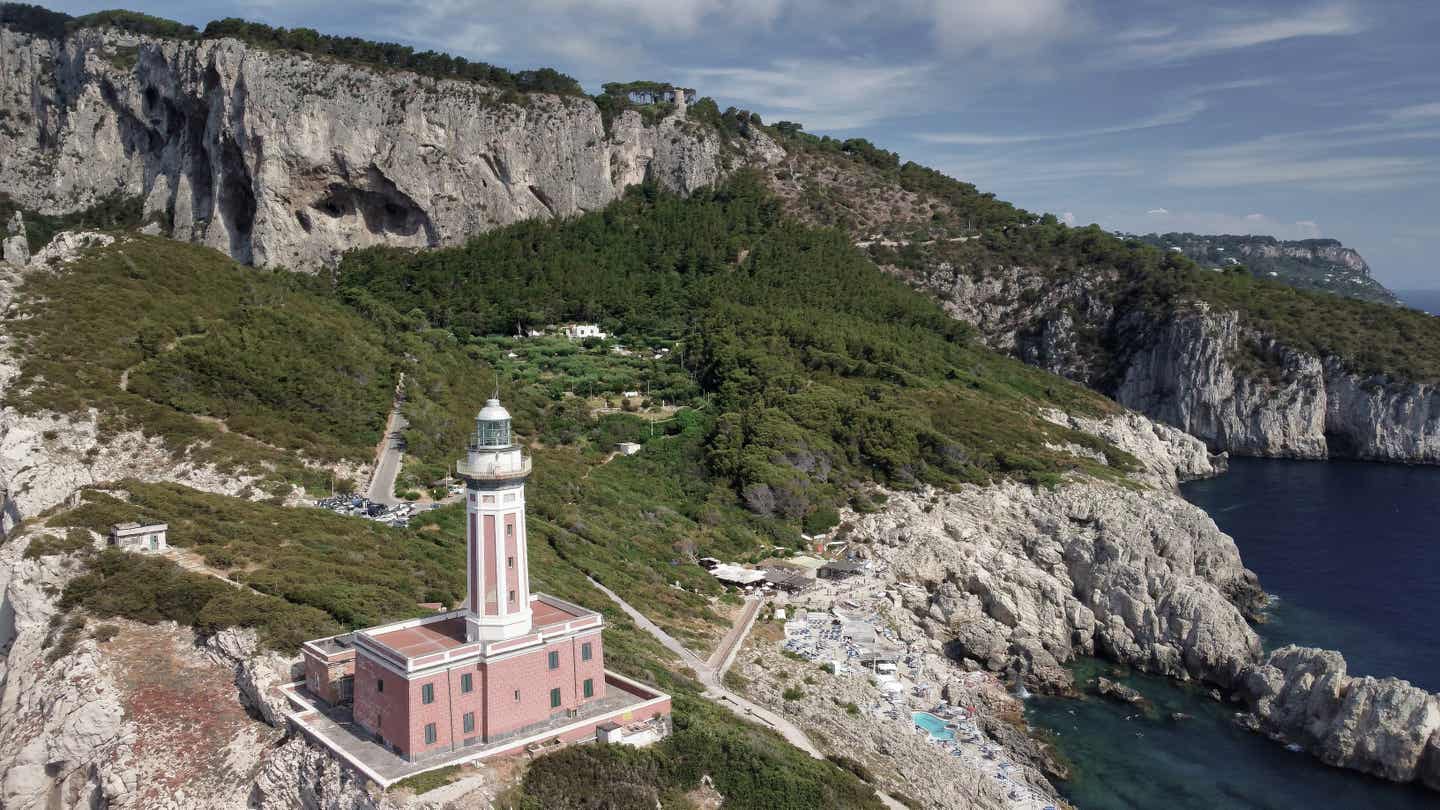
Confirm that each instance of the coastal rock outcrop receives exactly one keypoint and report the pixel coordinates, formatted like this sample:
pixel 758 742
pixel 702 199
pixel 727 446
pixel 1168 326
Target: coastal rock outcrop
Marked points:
pixel 1021 579
pixel 1382 726
pixel 283 160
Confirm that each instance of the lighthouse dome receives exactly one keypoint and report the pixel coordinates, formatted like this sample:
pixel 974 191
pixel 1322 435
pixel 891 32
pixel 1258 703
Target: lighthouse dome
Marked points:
pixel 492 425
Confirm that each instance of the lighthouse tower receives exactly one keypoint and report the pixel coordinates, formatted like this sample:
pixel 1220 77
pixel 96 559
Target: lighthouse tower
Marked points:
pixel 497 604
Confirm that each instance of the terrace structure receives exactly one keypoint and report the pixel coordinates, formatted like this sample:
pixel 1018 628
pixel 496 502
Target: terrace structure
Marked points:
pixel 507 670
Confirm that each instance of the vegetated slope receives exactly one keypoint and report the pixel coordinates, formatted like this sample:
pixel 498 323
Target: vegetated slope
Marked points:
pixel 1248 364
pixel 319 573
pixel 286 370
pixel 1319 265
pixel 820 372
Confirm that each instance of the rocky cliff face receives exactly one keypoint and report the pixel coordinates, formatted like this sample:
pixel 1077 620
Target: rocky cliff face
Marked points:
pixel 280 159
pixel 1018 579
pixel 1202 371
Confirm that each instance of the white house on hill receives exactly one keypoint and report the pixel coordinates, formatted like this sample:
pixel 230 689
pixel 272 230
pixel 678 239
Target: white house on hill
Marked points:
pixel 149 537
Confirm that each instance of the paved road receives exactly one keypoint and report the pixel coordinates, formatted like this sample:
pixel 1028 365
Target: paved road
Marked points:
pixel 715 690
pixel 387 463
pixel 724 654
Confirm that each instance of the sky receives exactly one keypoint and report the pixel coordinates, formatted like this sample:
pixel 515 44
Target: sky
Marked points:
pixel 1293 118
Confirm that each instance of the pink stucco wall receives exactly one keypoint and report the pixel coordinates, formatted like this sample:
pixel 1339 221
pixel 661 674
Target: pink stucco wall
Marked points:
pixel 399 713
pixel 383 712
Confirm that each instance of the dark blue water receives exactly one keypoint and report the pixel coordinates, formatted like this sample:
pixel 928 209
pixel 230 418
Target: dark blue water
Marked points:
pixel 1352 551
pixel 1427 300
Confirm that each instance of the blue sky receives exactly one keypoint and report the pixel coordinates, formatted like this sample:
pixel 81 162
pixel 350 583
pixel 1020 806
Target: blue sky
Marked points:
pixel 1295 118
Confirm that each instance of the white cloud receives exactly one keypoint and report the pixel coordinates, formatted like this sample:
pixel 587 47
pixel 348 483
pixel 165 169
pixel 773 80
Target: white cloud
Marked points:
pixel 1214 222
pixel 1068 218
pixel 1416 112
pixel 963 25
pixel 1180 114
pixel 1161 45
pixel 820 94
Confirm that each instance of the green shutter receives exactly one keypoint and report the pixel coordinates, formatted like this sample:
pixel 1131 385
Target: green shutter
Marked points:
pixel 554 698
pixel 589 688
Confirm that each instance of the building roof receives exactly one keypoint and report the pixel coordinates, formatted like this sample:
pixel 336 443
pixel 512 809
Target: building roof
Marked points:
pixel 782 578
pixel 804 561
pixel 844 566
pixel 493 411
pixel 131 527
pixel 447 631
pixel 730 572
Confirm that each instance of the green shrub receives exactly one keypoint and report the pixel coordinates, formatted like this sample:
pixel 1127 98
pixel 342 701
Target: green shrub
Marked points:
pixel 792 693
pixel 46 545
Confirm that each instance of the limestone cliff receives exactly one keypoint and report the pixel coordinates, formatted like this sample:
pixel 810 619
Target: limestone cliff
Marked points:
pixel 1204 371
pixel 280 159
pixel 1323 265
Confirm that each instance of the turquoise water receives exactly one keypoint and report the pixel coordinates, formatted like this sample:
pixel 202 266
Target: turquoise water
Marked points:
pixel 933 724
pixel 1348 549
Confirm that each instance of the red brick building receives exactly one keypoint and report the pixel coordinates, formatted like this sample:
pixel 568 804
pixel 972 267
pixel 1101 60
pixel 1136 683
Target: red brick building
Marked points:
pixel 507 666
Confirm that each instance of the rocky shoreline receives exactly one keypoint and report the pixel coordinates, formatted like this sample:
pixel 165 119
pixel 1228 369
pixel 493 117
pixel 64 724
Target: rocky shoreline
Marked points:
pixel 1019 581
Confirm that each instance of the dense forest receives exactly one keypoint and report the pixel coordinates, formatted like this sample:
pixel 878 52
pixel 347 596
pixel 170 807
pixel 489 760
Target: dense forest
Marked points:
pixel 819 371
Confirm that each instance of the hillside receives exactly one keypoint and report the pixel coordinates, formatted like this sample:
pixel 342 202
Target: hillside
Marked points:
pixel 405 149
pixel 1321 265
pixel 794 413
pixel 825 329
pixel 1247 364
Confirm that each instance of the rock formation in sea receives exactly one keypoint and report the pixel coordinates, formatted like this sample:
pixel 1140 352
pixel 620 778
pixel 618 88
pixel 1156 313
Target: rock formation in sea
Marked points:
pixel 1382 726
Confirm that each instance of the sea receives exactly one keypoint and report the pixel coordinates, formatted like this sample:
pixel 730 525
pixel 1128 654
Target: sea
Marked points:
pixel 1425 300
pixel 1350 552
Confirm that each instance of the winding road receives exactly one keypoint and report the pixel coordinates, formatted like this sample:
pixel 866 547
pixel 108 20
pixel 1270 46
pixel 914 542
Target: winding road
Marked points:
pixel 711 672
pixel 389 454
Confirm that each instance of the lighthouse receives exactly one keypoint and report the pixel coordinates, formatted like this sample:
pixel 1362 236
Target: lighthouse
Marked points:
pixel 497 574
pixel 502 671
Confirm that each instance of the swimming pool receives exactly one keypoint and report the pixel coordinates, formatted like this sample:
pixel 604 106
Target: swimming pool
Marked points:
pixel 932 724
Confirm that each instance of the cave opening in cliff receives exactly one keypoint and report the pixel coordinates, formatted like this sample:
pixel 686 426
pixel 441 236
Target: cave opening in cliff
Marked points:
pixel 237 200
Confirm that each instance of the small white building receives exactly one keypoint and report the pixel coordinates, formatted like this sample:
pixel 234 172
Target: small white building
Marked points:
pixel 627 448
pixel 148 537
pixel 581 331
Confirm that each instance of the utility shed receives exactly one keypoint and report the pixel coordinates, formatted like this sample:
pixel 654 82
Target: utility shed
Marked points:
pixel 148 537
pixel 627 448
